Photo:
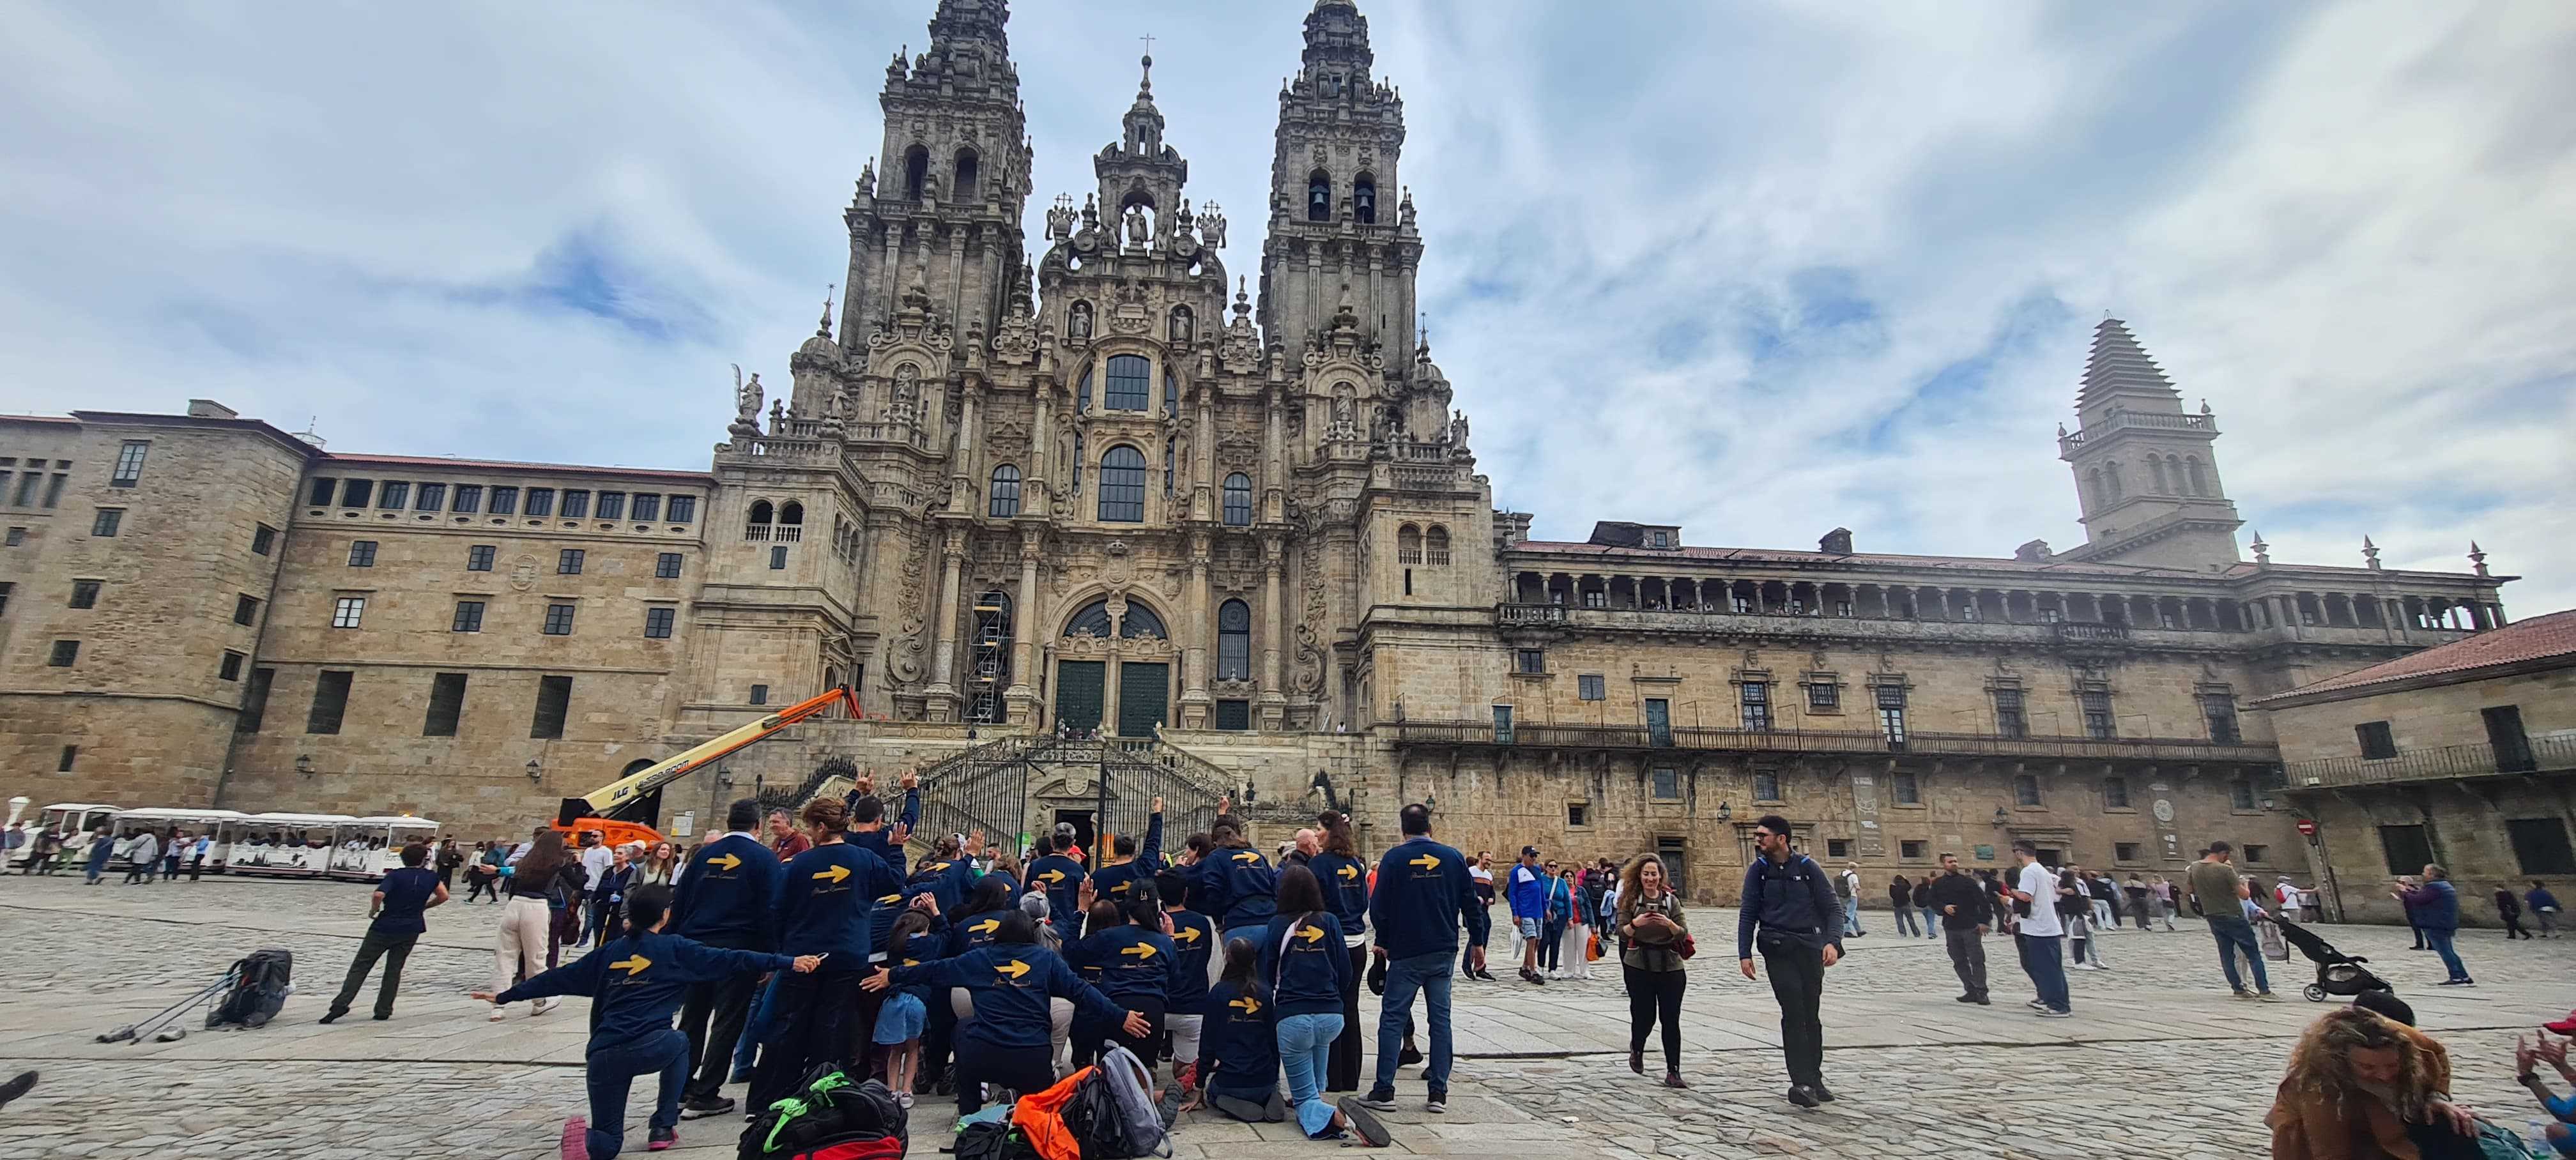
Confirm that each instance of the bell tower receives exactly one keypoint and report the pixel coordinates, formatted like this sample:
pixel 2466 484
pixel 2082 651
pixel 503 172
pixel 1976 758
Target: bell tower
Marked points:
pixel 2146 470
pixel 1338 213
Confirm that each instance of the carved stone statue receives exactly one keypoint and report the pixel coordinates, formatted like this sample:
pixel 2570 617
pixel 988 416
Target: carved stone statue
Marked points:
pixel 1458 429
pixel 1059 219
pixel 1139 233
pixel 1343 400
pixel 1211 226
pixel 1090 211
pixel 1181 325
pixel 1077 321
pixel 746 400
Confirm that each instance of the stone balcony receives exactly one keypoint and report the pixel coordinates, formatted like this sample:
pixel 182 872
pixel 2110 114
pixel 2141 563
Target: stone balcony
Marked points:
pixel 1795 626
pixel 2118 421
pixel 1485 735
pixel 2547 755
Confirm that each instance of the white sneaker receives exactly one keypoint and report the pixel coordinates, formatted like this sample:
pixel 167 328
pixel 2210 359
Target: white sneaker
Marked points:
pixel 499 1013
pixel 545 1005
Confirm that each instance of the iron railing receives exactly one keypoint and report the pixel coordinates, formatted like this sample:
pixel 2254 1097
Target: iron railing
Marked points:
pixel 1522 736
pixel 2544 755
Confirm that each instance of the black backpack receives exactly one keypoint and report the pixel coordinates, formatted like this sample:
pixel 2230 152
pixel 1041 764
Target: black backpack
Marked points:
pixel 824 1107
pixel 993 1140
pixel 258 991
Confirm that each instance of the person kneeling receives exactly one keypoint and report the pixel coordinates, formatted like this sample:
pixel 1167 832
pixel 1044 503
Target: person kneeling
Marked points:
pixel 1238 1062
pixel 636 983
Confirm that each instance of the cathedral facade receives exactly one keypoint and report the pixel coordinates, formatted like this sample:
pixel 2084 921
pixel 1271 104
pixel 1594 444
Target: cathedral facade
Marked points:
pixel 1232 519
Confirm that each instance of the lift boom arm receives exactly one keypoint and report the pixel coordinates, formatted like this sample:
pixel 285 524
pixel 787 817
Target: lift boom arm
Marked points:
pixel 625 793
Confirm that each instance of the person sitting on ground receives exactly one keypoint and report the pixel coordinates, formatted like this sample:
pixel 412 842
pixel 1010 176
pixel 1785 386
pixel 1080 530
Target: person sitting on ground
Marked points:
pixel 2360 1084
pixel 1006 1043
pixel 636 983
pixel 2561 1108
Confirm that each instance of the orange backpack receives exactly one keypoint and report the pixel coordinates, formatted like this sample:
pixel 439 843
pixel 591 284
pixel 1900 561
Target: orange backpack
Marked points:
pixel 1040 1119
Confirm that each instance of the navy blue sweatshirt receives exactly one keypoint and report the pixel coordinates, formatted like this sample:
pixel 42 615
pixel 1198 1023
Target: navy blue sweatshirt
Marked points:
pixel 1011 983
pixel 875 841
pixel 972 931
pixel 1061 878
pixel 825 899
pixel 881 916
pixel 1238 1046
pixel 1792 898
pixel 724 897
pixel 1135 963
pixel 1118 883
pixel 916 950
pixel 1422 887
pixel 1238 886
pixel 1308 979
pixel 1007 880
pixel 637 982
pixel 1346 891
pixel 1194 938
pixel 948 880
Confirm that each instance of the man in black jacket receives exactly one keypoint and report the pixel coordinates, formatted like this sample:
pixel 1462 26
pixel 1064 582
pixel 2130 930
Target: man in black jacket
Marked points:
pixel 1962 902
pixel 1790 911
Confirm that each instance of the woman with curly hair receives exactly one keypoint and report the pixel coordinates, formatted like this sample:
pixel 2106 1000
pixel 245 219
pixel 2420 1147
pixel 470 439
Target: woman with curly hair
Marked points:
pixel 2361 1085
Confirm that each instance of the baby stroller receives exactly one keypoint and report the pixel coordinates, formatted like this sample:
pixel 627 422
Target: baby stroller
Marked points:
pixel 2337 973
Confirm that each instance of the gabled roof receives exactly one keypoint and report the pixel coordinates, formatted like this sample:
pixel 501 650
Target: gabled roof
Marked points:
pixel 2533 643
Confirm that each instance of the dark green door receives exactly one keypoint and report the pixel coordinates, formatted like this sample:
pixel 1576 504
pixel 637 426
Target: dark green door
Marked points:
pixel 1078 686
pixel 1144 693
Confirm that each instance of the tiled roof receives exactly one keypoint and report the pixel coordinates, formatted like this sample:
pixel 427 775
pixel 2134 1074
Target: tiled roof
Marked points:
pixel 510 465
pixel 2538 638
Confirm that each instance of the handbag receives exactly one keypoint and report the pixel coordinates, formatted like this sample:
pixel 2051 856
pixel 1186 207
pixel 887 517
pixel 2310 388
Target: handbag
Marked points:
pixel 1592 949
pixel 1687 947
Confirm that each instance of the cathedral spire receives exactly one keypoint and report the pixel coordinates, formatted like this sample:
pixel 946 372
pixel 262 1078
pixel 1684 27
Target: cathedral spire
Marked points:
pixel 1337 43
pixel 1144 122
pixel 2119 367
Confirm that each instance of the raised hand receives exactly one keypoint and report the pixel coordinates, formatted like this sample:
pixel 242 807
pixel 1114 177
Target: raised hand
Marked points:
pixel 1158 805
pixel 974 843
pixel 912 779
pixel 898 834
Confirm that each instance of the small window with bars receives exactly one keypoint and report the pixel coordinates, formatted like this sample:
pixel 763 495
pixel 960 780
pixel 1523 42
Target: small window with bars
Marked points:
pixel 1529 661
pixel 478 558
pixel 568 561
pixel 1756 698
pixel 2026 791
pixel 1824 693
pixel 2098 721
pixel 1906 788
pixel 1667 784
pixel 1766 785
pixel 666 566
pixel 2011 720
pixel 469 617
pixel 362 553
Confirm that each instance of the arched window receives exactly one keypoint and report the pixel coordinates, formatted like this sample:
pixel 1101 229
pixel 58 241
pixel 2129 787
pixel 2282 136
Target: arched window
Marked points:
pixel 1140 623
pixel 2156 468
pixel 791 512
pixel 1408 545
pixel 1364 199
pixel 760 511
pixel 1234 641
pixel 1435 545
pixel 1131 383
pixel 2199 482
pixel 1082 394
pixel 916 172
pixel 963 189
pixel 1006 492
pixel 2093 487
pixel 2111 476
pixel 1093 620
pixel 1319 197
pixel 1238 500
pixel 1122 485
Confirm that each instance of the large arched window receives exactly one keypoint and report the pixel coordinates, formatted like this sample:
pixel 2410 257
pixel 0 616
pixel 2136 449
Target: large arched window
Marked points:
pixel 1319 197
pixel 1408 545
pixel 1238 500
pixel 963 189
pixel 791 512
pixel 760 511
pixel 2199 482
pixel 916 172
pixel 1122 485
pixel 1140 623
pixel 1006 492
pixel 1131 383
pixel 1093 620
pixel 1364 199
pixel 1435 545
pixel 1234 641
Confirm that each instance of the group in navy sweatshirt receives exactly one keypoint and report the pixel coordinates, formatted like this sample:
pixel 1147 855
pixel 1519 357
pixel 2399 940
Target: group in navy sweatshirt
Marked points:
pixel 1422 887
pixel 1346 890
pixel 825 900
pixel 726 898
pixel 636 982
pixel 1304 963
pixel 1118 882
pixel 1134 962
pixel 1237 885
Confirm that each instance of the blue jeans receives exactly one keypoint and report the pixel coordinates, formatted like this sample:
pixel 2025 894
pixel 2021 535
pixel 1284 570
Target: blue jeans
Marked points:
pixel 611 1076
pixel 2235 935
pixel 756 1028
pixel 2039 960
pixel 2441 940
pixel 1428 974
pixel 1851 916
pixel 1551 940
pixel 1305 1045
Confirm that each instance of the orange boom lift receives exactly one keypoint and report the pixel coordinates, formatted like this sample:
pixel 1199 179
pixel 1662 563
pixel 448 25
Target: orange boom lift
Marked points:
pixel 624 809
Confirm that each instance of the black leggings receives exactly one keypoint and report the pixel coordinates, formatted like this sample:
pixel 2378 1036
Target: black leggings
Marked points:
pixel 1653 994
pixel 2513 925
pixel 1089 1034
pixel 1024 1070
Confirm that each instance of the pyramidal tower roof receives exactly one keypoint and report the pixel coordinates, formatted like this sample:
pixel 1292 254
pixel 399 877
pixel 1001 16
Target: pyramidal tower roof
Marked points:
pixel 2119 366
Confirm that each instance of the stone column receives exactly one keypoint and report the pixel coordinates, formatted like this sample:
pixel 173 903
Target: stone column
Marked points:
pixel 1274 471
pixel 1022 696
pixel 961 454
pixel 1203 488
pixel 1037 492
pixel 1195 701
pixel 1274 696
pixel 942 692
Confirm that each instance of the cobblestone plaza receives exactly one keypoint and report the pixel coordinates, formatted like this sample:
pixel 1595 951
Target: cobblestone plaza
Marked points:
pixel 2158 1062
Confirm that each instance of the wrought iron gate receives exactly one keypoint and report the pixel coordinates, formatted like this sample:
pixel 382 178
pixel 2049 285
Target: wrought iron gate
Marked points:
pixel 987 788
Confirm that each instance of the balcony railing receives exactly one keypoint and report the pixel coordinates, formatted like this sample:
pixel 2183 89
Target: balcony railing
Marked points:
pixel 1532 613
pixel 2140 420
pixel 2086 630
pixel 2544 755
pixel 1524 736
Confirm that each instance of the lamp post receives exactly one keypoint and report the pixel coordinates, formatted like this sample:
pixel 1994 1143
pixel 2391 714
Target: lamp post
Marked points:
pixel 2002 817
pixel 304 764
pixel 536 772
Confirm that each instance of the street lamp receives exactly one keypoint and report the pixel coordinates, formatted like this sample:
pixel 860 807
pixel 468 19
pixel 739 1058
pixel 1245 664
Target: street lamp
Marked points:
pixel 304 764
pixel 534 769
pixel 2002 818
pixel 1725 811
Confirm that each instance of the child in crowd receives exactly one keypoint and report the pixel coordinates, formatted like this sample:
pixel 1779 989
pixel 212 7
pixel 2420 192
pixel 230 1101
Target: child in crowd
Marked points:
pixel 899 1023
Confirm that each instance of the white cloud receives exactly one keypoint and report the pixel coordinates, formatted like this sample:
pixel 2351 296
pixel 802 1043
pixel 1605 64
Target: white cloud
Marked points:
pixel 1694 262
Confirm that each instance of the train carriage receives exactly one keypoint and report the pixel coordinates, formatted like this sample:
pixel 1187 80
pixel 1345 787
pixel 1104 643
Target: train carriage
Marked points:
pixel 280 845
pixel 364 849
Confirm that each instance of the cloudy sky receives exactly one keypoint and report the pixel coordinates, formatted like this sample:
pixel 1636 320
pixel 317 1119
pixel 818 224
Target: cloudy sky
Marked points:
pixel 1760 269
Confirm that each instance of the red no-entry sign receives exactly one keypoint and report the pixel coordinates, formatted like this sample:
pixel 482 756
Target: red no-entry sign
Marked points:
pixel 2308 826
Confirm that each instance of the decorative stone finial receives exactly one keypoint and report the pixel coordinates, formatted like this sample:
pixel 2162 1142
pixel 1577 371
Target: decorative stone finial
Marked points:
pixel 2262 551
pixel 824 328
pixel 2478 556
pixel 2369 553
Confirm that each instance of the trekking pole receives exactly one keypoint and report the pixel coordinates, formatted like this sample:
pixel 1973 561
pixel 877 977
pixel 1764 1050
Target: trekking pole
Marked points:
pixel 137 1030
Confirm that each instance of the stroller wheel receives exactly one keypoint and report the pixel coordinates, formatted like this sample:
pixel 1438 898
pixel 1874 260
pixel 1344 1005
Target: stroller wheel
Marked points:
pixel 2315 993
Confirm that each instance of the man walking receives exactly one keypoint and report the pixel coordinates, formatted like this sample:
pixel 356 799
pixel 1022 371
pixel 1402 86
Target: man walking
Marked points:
pixel 1790 913
pixel 1847 891
pixel 397 909
pixel 723 901
pixel 1528 894
pixel 2221 895
pixel 2436 907
pixel 1960 902
pixel 2034 894
pixel 1480 920
pixel 1422 888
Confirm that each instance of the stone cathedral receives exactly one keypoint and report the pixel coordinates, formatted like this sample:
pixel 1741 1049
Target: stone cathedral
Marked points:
pixel 1225 528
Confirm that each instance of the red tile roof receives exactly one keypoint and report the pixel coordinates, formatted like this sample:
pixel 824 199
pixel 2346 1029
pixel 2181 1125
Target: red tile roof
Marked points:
pixel 2538 638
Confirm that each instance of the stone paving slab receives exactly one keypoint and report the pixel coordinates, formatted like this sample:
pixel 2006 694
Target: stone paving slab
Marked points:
pixel 1541 1070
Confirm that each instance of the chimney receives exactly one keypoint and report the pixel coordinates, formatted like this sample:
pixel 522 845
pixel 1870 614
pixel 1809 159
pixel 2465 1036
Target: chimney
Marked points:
pixel 2034 552
pixel 1836 542
pixel 210 409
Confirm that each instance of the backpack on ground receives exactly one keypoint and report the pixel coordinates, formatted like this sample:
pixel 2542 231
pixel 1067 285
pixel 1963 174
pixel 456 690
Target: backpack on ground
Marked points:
pixel 827 1117
pixel 1135 1127
pixel 993 1140
pixel 260 983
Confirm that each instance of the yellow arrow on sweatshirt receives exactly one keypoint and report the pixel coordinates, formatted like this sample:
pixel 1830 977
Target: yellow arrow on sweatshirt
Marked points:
pixel 1310 934
pixel 1142 951
pixel 838 874
pixel 1427 862
pixel 726 861
pixel 1014 968
pixel 633 966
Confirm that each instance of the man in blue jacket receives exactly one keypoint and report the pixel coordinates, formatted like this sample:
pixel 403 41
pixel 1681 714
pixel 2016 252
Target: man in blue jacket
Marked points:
pixel 868 830
pixel 723 901
pixel 1790 911
pixel 1422 886
pixel 635 981
pixel 2436 906
pixel 1528 895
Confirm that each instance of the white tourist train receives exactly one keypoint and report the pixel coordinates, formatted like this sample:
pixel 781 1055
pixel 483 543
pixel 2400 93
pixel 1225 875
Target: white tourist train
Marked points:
pixel 192 821
pixel 364 849
pixel 281 845
pixel 74 822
